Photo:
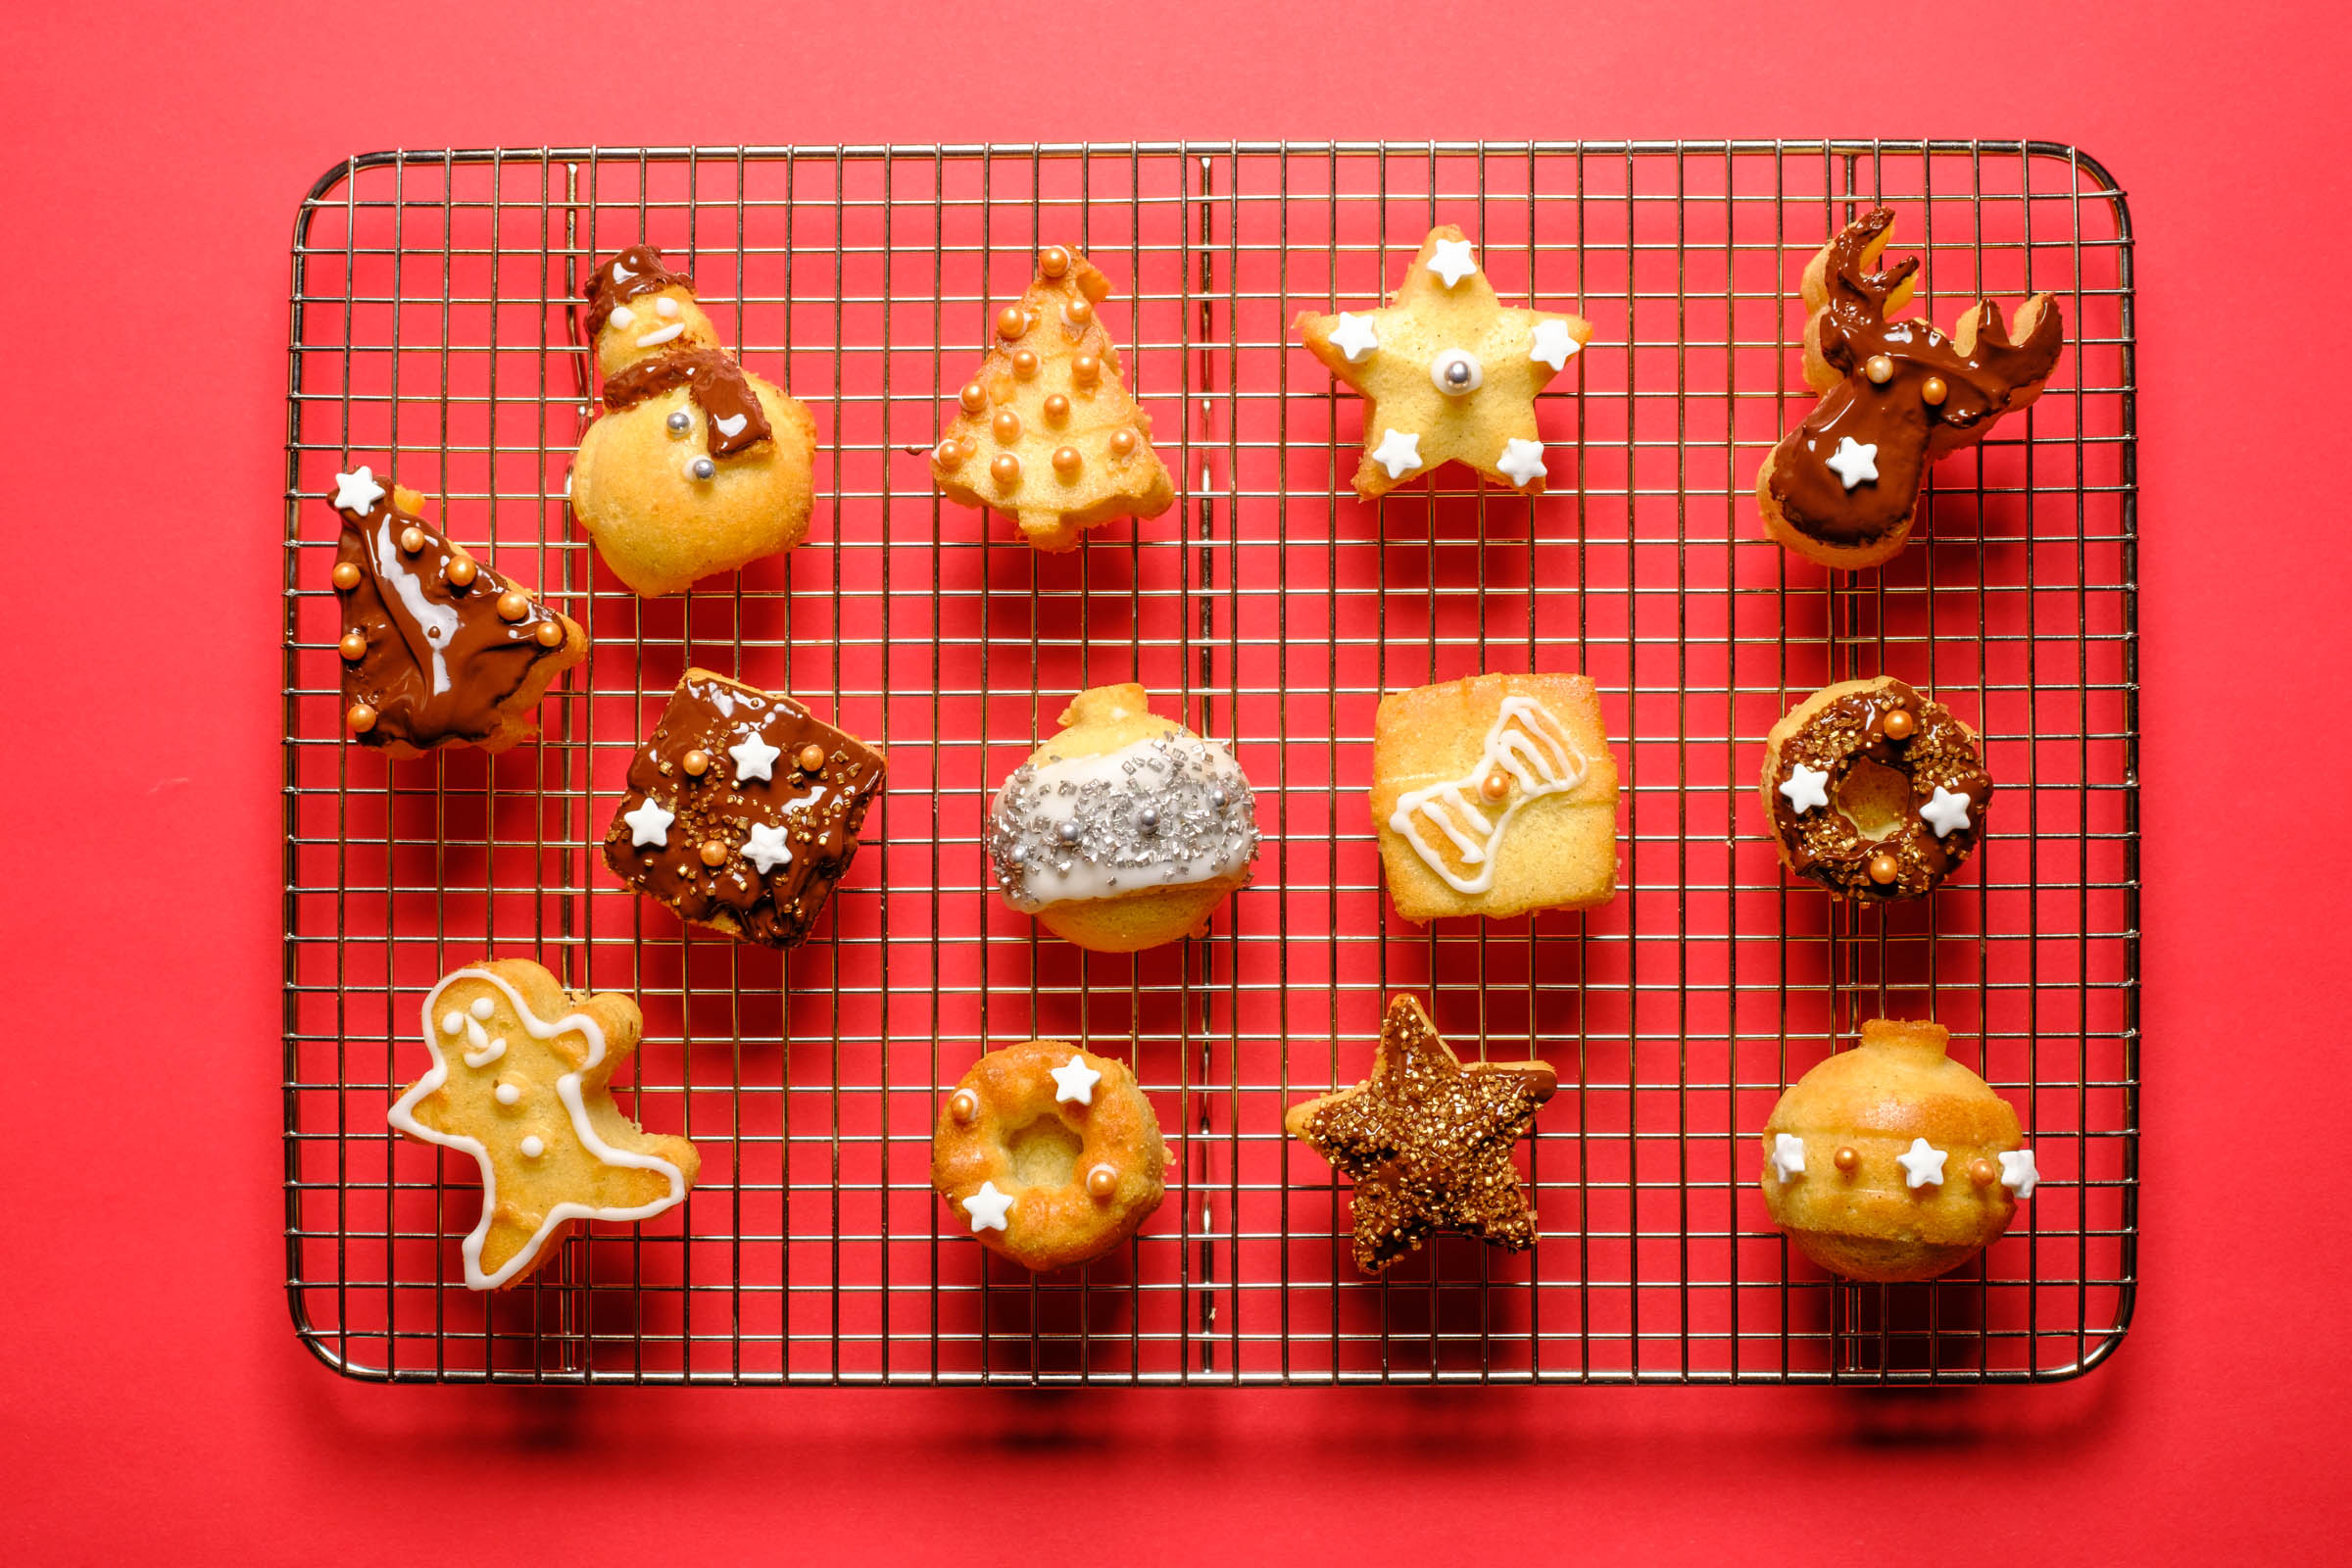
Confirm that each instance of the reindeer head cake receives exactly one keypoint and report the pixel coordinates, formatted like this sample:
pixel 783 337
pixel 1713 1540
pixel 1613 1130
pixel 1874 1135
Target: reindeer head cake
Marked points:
pixel 1842 487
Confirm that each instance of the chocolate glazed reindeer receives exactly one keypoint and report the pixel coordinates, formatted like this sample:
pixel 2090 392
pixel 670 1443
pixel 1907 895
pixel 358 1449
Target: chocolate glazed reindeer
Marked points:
pixel 1841 488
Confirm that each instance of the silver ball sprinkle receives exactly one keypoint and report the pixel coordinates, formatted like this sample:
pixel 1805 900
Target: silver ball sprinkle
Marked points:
pixel 1148 818
pixel 1068 830
pixel 1217 796
pixel 704 467
pixel 680 422
pixel 1457 372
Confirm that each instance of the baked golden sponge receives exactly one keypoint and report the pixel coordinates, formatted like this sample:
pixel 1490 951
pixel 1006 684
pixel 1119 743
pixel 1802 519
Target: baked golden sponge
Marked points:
pixel 1892 1161
pixel 1495 795
pixel 1047 1155
pixel 697 466
pixel 1126 829
pixel 1047 432
pixel 1842 488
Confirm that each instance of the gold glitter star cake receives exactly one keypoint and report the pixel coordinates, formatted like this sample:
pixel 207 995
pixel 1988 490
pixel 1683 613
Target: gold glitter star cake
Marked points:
pixel 1428 1140
pixel 1448 373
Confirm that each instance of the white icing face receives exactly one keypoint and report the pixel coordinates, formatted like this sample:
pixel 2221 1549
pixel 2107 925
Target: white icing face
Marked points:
pixel 1456 372
pixel 665 308
pixel 508 1094
pixel 661 334
pixel 532 1147
pixel 482 1009
pixel 451 1021
pixel 1527 744
pixel 622 317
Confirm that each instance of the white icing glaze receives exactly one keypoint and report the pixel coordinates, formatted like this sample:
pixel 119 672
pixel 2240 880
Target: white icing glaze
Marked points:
pixel 755 757
pixel 621 317
pixel 1090 878
pixel 1075 1081
pixel 532 1146
pixel 508 1094
pixel 988 1208
pixel 1354 337
pixel 403 1118
pixel 358 491
pixel 1806 788
pixel 649 824
pixel 1922 1165
pixel 766 847
pixel 660 335
pixel 732 424
pixel 1452 261
pixel 1443 364
pixel 1554 345
pixel 1854 462
pixel 2018 1172
pixel 1522 461
pixel 1398 452
pixel 1787 1157
pixel 621 273
pixel 438 622
pixel 1526 742
pixel 1946 814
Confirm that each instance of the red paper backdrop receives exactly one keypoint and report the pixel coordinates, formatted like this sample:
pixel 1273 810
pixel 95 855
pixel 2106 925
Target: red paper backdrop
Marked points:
pixel 157 1403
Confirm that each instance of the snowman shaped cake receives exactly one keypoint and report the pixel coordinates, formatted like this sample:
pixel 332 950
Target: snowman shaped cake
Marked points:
pixel 696 466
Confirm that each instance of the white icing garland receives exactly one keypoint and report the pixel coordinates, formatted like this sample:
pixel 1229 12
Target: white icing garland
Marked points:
pixel 1528 743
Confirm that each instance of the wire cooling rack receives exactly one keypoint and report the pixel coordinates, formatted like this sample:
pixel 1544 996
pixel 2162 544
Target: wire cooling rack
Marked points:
pixel 434 335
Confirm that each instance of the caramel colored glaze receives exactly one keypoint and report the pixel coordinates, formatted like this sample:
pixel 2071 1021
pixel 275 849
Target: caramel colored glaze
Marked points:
pixel 712 379
pixel 440 661
pixel 607 287
pixel 820 811
pixel 1906 426
pixel 1825 845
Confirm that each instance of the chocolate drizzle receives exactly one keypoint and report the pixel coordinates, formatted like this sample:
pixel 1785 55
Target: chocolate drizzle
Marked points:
pixel 732 418
pixel 1895 415
pixel 637 271
pixel 442 666
pixel 1824 844
pixel 819 810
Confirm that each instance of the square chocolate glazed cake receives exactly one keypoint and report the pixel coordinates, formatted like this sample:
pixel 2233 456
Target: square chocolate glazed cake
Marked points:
pixel 741 811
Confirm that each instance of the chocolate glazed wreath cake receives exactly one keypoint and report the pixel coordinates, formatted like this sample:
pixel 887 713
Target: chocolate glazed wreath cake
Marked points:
pixel 741 811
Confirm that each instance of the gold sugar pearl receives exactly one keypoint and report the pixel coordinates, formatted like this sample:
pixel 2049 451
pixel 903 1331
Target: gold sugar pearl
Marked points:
pixel 354 646
pixel 1933 391
pixel 1845 1159
pixel 361 717
pixel 948 454
pixel 1898 724
pixel 973 397
pixel 1879 368
pixel 1058 409
pixel 1024 364
pixel 460 572
pixel 964 1107
pixel 346 575
pixel 1005 469
pixel 1101 1181
pixel 514 605
pixel 1066 460
pixel 1980 1172
pixel 1495 785
pixel 1085 369
pixel 1053 261
pixel 1884 868
pixel 412 540
pixel 1079 312
pixel 813 758
pixel 696 762
pixel 1122 443
pixel 1006 427
pixel 715 852
pixel 1011 322
pixel 549 633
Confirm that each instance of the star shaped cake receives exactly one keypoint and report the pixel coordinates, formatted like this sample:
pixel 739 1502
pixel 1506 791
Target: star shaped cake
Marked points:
pixel 1428 1140
pixel 1448 373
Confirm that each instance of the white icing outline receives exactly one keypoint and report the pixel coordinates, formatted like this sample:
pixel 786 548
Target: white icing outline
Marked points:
pixel 1553 774
pixel 438 622
pixel 402 1117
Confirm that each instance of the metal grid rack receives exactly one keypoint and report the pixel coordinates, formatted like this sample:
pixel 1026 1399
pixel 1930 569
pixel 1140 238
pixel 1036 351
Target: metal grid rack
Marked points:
pixel 433 333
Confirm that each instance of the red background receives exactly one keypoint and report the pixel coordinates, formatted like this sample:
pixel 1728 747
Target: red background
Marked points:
pixel 156 1402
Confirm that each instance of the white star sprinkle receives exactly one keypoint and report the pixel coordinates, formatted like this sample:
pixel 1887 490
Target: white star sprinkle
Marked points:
pixel 1554 343
pixel 1074 1080
pixel 1806 788
pixel 1787 1157
pixel 356 491
pixel 765 848
pixel 649 823
pixel 987 1207
pixel 1354 336
pixel 1523 460
pixel 1452 261
pixel 2018 1173
pixel 1399 453
pixel 1946 814
pixel 753 758
pixel 1922 1163
pixel 1854 462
